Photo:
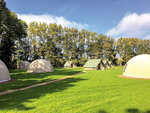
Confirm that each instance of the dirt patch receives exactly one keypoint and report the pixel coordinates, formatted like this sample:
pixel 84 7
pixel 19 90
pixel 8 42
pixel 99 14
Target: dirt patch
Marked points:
pixel 36 85
pixel 132 77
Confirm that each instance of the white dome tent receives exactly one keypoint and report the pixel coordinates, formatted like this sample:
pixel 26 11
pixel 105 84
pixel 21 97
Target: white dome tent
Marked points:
pixel 138 67
pixel 4 73
pixel 40 66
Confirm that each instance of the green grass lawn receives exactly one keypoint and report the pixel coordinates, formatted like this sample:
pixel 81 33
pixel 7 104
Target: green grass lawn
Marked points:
pixel 22 78
pixel 89 92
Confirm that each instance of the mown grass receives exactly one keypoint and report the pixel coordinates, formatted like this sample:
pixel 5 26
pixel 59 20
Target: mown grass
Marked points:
pixel 20 78
pixel 90 92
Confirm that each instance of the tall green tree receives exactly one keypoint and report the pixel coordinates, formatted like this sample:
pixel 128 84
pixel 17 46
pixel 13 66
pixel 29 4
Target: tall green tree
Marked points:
pixel 11 29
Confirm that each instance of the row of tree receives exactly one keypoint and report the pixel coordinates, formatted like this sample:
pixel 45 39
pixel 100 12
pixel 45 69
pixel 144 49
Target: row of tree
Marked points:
pixel 129 47
pixel 57 44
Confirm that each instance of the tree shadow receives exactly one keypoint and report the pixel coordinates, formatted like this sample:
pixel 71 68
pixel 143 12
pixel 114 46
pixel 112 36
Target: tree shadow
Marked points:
pixel 42 75
pixel 22 79
pixel 16 100
pixel 22 74
pixel 132 110
pixel 102 111
pixel 135 110
pixel 17 70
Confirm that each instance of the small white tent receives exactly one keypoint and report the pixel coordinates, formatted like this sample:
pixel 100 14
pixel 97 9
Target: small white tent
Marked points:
pixel 24 65
pixel 4 73
pixel 40 66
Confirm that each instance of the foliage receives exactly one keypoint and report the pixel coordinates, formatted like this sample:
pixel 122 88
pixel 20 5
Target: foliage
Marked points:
pixel 11 29
pixel 58 44
pixel 130 47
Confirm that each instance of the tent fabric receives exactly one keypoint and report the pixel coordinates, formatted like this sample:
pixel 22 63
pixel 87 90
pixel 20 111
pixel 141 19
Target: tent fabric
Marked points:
pixel 138 67
pixel 110 62
pixel 40 66
pixel 92 63
pixel 105 63
pixel 24 65
pixel 4 73
pixel 69 64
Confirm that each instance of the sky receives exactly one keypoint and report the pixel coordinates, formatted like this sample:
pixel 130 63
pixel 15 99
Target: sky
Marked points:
pixel 115 18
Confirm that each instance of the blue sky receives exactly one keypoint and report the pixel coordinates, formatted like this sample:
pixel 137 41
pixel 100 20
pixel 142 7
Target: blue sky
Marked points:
pixel 116 18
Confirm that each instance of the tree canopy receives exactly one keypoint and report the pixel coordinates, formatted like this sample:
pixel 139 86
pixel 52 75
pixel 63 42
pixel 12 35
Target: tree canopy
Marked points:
pixel 59 44
pixel 12 29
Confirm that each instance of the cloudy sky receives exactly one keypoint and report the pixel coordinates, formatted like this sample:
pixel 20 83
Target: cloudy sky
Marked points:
pixel 115 18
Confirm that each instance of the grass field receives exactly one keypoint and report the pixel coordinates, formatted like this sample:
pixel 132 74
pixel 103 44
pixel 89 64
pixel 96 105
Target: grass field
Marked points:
pixel 90 92
pixel 22 79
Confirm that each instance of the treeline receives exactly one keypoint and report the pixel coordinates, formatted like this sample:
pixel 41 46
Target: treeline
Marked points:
pixel 19 42
pixel 58 44
pixel 129 47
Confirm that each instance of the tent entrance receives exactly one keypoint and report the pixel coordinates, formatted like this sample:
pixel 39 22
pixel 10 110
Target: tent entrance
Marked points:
pixel 125 67
pixel 99 67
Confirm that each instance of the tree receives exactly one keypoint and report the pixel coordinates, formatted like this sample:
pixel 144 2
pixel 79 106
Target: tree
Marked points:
pixel 11 29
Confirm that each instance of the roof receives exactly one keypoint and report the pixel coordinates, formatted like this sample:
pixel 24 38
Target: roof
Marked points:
pixel 68 63
pixel 92 63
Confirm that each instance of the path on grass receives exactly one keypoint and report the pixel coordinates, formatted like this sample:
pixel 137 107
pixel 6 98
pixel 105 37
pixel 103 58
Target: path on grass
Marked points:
pixel 36 85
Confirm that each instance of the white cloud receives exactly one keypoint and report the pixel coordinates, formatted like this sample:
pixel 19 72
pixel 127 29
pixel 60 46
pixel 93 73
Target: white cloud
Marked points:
pixel 147 37
pixel 132 25
pixel 51 19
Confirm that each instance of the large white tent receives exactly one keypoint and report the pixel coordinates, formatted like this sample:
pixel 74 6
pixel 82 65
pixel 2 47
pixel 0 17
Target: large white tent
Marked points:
pixel 4 73
pixel 40 66
pixel 138 67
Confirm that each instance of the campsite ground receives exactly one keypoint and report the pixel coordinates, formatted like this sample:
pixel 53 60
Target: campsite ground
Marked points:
pixel 90 92
pixel 21 78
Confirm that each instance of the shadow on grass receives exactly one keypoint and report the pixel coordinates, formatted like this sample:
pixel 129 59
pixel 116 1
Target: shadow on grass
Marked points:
pixel 17 70
pixel 102 111
pixel 23 79
pixel 43 75
pixel 22 74
pixel 134 110
pixel 17 100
